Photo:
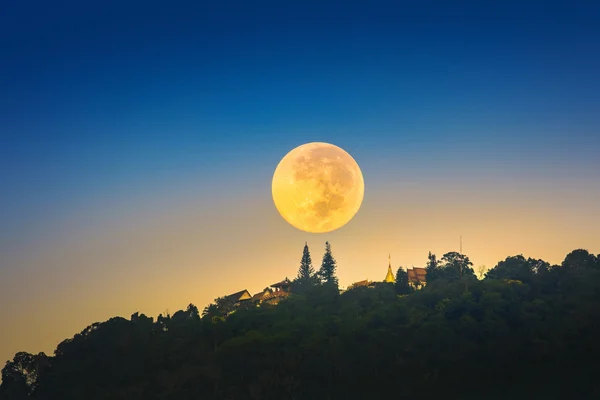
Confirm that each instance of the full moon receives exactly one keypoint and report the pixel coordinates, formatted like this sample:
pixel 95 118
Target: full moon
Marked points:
pixel 318 187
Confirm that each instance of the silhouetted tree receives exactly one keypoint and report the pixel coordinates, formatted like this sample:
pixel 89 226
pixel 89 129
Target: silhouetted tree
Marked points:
pixel 436 271
pixel 459 262
pixel 192 311
pixel 328 267
pixel 402 285
pixel 225 305
pixel 141 318
pixel 432 262
pixel 210 311
pixel 163 322
pixel 517 268
pixel 306 273
pixel 541 337
pixel 581 258
pixel 21 376
pixel 432 268
pixel 221 307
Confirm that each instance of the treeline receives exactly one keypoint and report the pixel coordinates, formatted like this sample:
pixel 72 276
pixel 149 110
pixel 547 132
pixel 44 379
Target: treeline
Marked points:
pixel 527 330
pixel 307 279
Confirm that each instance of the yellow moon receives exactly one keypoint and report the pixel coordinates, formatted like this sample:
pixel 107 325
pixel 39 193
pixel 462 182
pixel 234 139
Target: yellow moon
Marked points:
pixel 318 187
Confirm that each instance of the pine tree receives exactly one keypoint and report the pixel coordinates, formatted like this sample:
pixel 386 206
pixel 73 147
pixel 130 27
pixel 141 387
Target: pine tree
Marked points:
pixel 306 272
pixel 433 272
pixel 433 262
pixel 402 286
pixel 328 267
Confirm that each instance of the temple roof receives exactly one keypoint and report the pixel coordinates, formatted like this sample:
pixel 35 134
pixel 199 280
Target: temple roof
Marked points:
pixel 417 274
pixel 390 278
pixel 238 295
pixel 285 282
pixel 273 295
pixel 261 295
pixel 366 282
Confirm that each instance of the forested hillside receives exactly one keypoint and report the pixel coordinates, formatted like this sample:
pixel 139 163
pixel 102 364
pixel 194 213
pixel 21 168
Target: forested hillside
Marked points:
pixel 527 330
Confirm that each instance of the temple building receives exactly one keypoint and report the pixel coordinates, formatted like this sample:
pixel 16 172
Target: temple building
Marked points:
pixel 257 298
pixel 239 297
pixel 283 286
pixel 417 277
pixel 365 283
pixel 390 278
pixel 274 293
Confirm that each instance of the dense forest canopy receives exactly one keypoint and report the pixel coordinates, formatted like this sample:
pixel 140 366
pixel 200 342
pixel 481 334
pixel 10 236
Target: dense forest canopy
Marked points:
pixel 527 329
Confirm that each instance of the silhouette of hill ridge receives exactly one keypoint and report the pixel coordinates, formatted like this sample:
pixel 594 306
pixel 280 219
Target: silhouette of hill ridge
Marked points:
pixel 527 330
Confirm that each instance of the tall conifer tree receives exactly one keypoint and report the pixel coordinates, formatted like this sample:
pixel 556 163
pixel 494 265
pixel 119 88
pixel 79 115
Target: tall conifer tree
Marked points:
pixel 402 285
pixel 432 268
pixel 328 267
pixel 306 272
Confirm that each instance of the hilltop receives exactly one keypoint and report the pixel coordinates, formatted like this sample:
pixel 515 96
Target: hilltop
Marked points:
pixel 527 330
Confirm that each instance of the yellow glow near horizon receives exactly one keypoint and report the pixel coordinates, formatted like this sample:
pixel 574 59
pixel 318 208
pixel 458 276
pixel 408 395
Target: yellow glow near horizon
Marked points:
pixel 318 187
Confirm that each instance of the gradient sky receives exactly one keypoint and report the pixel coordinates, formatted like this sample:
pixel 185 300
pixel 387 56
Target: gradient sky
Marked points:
pixel 138 143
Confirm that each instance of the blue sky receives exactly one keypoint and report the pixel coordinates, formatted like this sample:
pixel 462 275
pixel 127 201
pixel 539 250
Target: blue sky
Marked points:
pixel 100 95
pixel 108 108
pixel 96 94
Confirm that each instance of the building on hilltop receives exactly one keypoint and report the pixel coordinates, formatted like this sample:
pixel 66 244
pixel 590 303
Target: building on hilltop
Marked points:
pixel 274 293
pixel 365 283
pixel 283 286
pixel 258 297
pixel 417 277
pixel 390 278
pixel 239 297
pixel 275 297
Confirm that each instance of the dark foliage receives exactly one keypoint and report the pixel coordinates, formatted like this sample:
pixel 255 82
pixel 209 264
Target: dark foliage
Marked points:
pixel 431 268
pixel 581 259
pixel 518 268
pixel 402 285
pixel 451 268
pixel 527 331
pixel 328 267
pixel 307 277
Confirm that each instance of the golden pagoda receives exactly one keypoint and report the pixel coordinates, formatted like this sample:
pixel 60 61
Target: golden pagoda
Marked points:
pixel 390 275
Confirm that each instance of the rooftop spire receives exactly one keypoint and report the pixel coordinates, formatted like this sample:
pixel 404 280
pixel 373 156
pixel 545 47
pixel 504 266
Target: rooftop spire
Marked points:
pixel 390 275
